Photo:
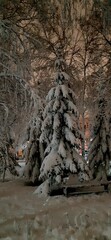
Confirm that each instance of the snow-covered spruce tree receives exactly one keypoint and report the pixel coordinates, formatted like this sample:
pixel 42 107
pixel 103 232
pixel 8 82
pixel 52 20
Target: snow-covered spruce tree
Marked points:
pixel 100 147
pixel 60 131
pixel 34 151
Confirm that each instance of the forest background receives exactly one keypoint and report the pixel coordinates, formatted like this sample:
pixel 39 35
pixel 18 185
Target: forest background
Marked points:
pixel 30 31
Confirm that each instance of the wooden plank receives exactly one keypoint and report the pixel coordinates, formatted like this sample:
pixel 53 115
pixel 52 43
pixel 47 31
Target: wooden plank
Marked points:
pixel 69 192
pixel 88 183
pixel 85 192
pixel 73 186
pixel 87 188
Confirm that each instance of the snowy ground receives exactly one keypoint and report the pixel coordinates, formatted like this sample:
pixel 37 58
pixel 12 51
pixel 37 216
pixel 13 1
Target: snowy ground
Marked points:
pixel 25 216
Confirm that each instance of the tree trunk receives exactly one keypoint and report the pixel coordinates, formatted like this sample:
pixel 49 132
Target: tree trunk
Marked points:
pixel 4 170
pixel 83 140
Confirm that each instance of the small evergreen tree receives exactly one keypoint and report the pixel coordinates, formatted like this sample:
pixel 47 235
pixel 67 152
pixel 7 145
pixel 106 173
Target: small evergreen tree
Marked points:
pixel 8 161
pixel 100 148
pixel 60 131
pixel 34 151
